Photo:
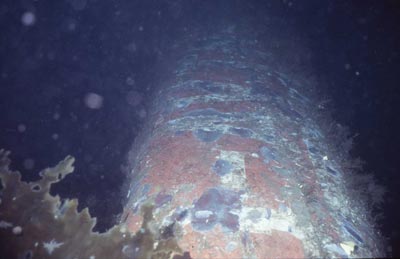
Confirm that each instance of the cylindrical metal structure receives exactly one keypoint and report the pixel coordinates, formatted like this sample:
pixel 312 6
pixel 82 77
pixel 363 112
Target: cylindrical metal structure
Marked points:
pixel 234 164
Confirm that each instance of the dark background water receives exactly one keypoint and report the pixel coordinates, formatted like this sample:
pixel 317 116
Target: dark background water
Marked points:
pixel 110 48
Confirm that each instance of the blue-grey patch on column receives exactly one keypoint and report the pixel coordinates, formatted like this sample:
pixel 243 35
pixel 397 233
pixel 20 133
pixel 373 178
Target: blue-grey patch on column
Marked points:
pixel 207 136
pixel 222 167
pixel 145 189
pixel 244 133
pixel 183 103
pixel 267 154
pixel 215 206
pixel 310 146
pixel 331 170
pixel 268 213
pixel 180 214
pixel 268 138
pixel 352 231
pixel 162 199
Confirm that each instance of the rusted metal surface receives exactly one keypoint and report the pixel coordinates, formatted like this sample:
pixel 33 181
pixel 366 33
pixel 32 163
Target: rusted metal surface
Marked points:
pixel 234 165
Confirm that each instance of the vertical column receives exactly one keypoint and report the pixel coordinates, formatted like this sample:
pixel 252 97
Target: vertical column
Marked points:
pixel 234 166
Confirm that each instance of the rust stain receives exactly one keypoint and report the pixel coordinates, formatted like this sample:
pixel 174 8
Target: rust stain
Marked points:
pixel 277 245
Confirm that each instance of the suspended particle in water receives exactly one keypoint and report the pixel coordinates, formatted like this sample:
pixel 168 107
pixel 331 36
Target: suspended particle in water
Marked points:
pixel 56 116
pixel 130 80
pixel 21 128
pixel 17 230
pixel 94 101
pixel 28 19
pixel 142 113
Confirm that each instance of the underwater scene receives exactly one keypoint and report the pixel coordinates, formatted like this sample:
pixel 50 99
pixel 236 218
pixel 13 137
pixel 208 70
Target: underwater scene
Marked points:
pixel 199 129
